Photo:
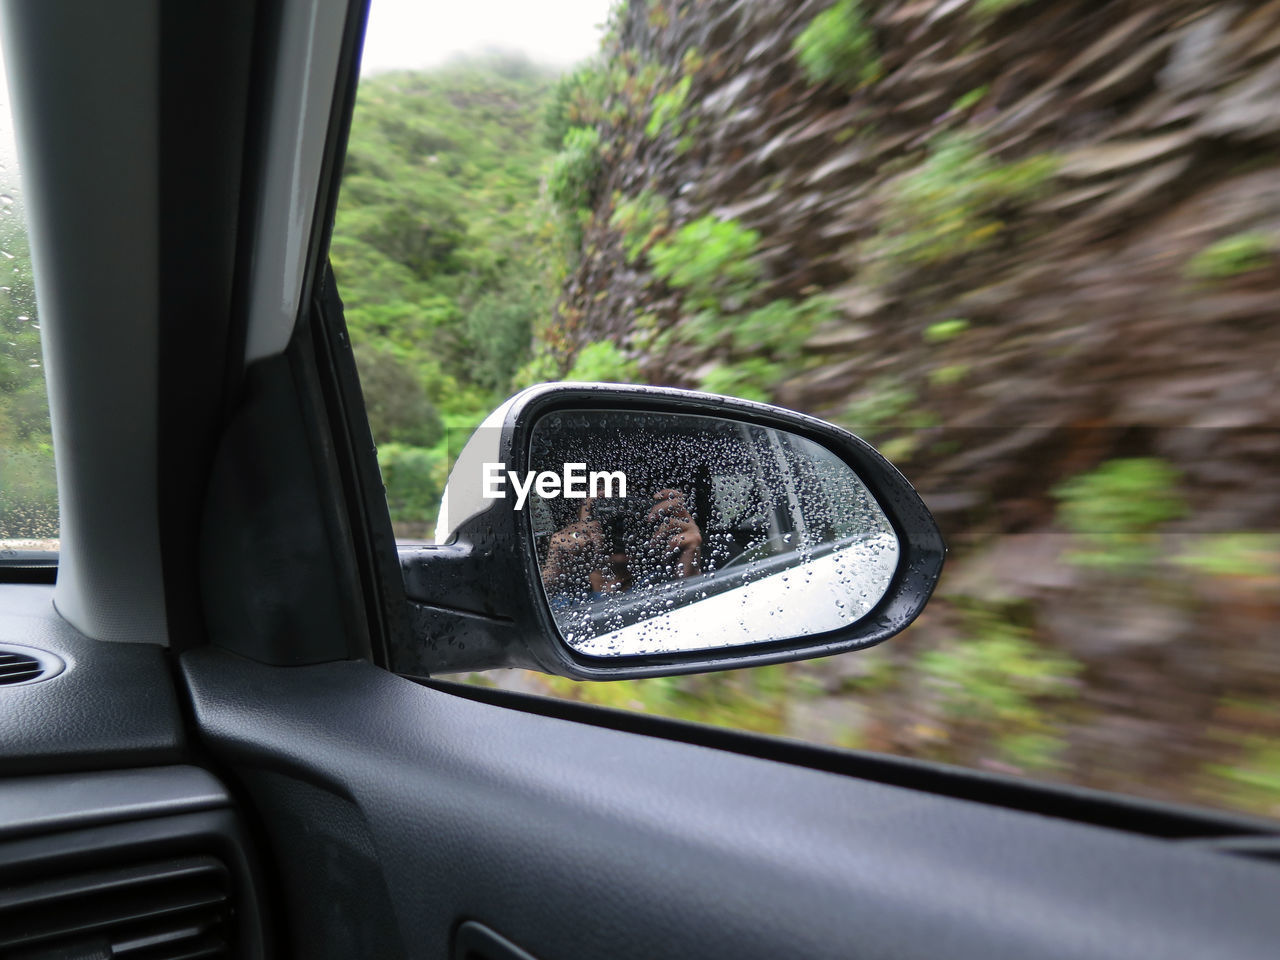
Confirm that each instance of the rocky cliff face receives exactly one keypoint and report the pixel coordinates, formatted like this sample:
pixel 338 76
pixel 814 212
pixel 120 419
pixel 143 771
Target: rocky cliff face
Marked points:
pixel 1037 238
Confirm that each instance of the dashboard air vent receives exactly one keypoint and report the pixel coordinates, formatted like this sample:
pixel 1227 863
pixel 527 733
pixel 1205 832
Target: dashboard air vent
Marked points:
pixel 26 665
pixel 176 909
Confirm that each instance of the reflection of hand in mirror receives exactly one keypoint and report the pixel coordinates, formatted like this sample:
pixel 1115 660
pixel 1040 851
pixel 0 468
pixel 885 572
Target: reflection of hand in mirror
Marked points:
pixel 592 555
pixel 675 532
pixel 578 557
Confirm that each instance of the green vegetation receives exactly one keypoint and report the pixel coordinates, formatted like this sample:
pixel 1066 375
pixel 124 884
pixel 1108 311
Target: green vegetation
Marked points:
pixel 575 101
pixel 955 202
pixel 754 700
pixel 709 259
pixel 1116 509
pixel 642 221
pixel 1233 256
pixel 28 491
pixel 445 254
pixel 414 478
pixel 838 47
pixel 994 683
pixel 668 116
pixel 1252 780
pixel 993 8
pixel 949 375
pixel 572 180
pixel 602 362
pixel 1233 555
pixel 945 330
pixel 970 99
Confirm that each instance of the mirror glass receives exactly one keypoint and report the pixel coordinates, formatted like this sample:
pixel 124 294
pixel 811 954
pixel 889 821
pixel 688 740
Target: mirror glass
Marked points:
pixel 662 533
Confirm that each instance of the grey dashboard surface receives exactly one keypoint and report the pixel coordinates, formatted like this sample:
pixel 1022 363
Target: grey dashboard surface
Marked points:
pixel 113 706
pixel 65 801
pixel 574 840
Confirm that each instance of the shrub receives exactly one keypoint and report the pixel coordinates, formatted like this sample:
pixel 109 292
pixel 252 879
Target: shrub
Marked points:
pixel 602 362
pixel 839 47
pixel 955 202
pixel 575 170
pixel 779 328
pixel 773 335
pixel 749 379
pixel 1232 256
pixel 1116 508
pixel 1233 555
pixel 668 109
pixel 996 681
pixel 576 100
pixel 710 259
pixel 945 330
pixel 414 478
pixel 397 404
pixel 641 220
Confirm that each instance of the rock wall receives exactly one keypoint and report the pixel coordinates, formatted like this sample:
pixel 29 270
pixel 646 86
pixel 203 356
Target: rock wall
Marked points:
pixel 1101 316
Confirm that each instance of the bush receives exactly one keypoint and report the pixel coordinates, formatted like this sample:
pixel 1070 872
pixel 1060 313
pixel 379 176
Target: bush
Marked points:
pixel 1116 508
pixel 602 362
pixel 710 259
pixel 415 479
pixel 575 170
pixel 576 100
pixel 945 330
pixel 838 47
pixel 499 329
pixel 398 407
pixel 749 379
pixel 994 682
pixel 956 202
pixel 1232 256
pixel 668 109
pixel 642 220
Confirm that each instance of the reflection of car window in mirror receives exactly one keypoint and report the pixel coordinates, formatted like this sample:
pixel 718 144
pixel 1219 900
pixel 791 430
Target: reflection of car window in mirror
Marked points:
pixel 724 534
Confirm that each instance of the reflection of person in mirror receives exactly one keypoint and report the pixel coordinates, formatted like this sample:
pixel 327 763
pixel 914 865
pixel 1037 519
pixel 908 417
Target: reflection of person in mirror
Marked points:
pixel 610 548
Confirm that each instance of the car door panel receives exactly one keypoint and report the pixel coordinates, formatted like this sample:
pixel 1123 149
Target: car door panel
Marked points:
pixel 576 840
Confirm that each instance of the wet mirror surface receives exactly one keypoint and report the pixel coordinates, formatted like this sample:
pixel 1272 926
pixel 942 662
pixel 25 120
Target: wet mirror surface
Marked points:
pixel 662 533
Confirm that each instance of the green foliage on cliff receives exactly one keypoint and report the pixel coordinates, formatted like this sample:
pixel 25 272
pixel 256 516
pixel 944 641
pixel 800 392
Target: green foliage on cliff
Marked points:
pixel 1233 256
pixel 994 683
pixel 955 203
pixel 602 362
pixel 574 101
pixel 838 47
pixel 642 220
pixel 1116 508
pixel 945 330
pixel 710 259
pixel 668 116
pixel 575 170
pixel 993 8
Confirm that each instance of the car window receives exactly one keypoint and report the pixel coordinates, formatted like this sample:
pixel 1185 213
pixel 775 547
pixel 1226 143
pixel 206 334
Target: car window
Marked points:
pixel 28 489
pixel 1031 255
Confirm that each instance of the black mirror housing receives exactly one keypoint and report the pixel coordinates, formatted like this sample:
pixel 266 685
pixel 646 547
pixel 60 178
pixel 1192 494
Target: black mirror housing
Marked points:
pixel 478 600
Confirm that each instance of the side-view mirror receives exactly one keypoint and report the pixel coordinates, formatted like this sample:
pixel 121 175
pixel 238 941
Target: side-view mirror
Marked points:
pixel 598 531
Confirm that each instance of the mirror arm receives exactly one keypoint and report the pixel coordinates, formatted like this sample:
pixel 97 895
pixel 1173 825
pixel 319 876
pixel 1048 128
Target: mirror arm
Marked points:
pixel 457 622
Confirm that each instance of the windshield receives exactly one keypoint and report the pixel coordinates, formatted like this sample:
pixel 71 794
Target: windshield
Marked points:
pixel 28 491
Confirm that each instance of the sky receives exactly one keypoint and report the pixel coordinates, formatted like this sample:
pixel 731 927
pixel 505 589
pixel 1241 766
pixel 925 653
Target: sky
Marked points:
pixel 407 34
